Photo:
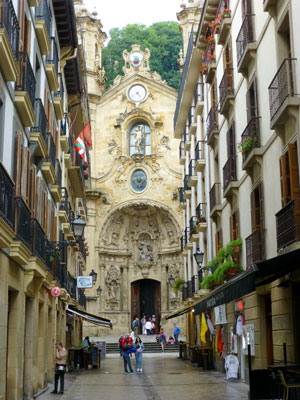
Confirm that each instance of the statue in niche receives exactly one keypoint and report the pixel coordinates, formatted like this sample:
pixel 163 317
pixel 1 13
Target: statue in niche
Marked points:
pixel 116 224
pixel 174 297
pixel 112 282
pixel 145 251
pixel 138 137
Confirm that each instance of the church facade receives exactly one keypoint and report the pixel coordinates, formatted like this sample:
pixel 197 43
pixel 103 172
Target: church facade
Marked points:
pixel 134 225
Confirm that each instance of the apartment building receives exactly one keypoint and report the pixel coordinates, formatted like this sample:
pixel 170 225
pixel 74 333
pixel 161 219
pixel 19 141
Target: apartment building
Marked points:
pixel 237 116
pixel 43 105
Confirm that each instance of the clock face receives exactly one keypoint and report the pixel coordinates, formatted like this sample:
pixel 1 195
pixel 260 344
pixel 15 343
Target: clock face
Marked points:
pixel 137 93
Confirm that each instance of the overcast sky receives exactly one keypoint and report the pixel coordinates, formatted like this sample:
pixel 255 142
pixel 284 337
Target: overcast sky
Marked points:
pixel 119 13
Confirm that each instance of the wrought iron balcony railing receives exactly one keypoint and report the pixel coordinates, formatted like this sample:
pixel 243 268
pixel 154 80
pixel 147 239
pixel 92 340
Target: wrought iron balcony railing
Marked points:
pixel 194 284
pixel 81 298
pixel 60 92
pixel 43 12
pixel 50 253
pixel 7 207
pixel 201 213
pixel 199 153
pixel 186 135
pixel 255 247
pixel 38 241
pixel 186 183
pixel 52 57
pixel 51 150
pixel 26 80
pixel 193 224
pixel 226 87
pixel 40 124
pixel 250 138
pixel 245 36
pixel 210 56
pixel 181 198
pixel 211 122
pixel 22 222
pixel 9 21
pixel 190 289
pixel 282 85
pixel 58 172
pixel 182 243
pixel 187 235
pixel 72 286
pixel 181 149
pixel 66 206
pixel 192 168
pixel 199 93
pixel 184 292
pixel 229 171
pixel 215 195
pixel 288 224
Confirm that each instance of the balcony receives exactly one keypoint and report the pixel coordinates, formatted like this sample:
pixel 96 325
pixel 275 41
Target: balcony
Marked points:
pixel 269 5
pixel 33 3
pixel 52 66
pixel 184 292
pixel 250 145
pixel 245 45
pixel 201 215
pixel 43 26
pixel 25 91
pixel 20 249
pixel 58 100
pixel 77 178
pixel 187 189
pixel 193 178
pixel 226 89
pixel 194 284
pixel 182 156
pixel 283 100
pixel 199 99
pixel 225 23
pixel 81 299
pixel 56 189
pixel 63 207
pixel 194 233
pixel 230 183
pixel 212 128
pixel 209 59
pixel 288 224
pixel 51 254
pixel 255 247
pixel 9 41
pixel 189 289
pixel 182 200
pixel 7 209
pixel 199 157
pixel 215 200
pixel 187 139
pixel 38 241
pixel 38 133
pixel 186 239
pixel 64 143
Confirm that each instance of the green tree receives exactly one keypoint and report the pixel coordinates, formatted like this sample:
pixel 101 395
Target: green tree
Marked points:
pixel 164 41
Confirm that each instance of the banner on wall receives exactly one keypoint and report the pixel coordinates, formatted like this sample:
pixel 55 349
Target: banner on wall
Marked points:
pixel 84 282
pixel 220 315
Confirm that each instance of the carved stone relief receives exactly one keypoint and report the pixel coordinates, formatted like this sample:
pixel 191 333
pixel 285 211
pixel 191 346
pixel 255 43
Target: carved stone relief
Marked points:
pixel 112 282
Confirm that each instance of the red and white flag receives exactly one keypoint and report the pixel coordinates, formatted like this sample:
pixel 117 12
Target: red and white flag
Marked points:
pixel 80 147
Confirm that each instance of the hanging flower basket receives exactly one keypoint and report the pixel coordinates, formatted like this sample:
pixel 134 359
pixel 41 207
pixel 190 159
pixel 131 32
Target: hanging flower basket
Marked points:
pixel 226 13
pixel 210 39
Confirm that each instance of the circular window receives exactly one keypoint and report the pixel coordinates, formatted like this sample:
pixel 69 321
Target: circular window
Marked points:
pixel 138 180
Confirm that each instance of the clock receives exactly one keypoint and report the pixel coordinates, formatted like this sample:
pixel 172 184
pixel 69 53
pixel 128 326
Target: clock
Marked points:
pixel 137 93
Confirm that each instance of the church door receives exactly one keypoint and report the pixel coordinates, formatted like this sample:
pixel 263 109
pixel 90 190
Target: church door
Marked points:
pixel 145 299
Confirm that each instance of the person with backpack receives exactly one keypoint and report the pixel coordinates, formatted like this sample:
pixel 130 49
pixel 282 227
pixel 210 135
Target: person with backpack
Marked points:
pixel 127 349
pixel 176 333
pixel 139 354
pixel 162 340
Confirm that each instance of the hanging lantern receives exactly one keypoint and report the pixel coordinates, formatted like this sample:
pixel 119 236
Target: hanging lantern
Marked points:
pixel 55 291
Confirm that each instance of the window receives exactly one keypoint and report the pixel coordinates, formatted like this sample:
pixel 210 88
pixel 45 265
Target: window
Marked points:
pixel 140 139
pixel 234 225
pixel 219 241
pixel 289 175
pixel 257 208
pixel 252 106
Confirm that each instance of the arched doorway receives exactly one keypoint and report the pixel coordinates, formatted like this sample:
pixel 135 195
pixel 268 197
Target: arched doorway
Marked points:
pixel 146 299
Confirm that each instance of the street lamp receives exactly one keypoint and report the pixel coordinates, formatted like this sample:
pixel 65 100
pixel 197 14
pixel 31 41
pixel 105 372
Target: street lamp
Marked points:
pixel 171 280
pixel 78 226
pixel 199 255
pixel 93 274
pixel 99 290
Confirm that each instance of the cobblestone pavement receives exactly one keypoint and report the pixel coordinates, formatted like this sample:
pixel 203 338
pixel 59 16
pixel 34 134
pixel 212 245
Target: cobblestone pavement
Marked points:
pixel 164 377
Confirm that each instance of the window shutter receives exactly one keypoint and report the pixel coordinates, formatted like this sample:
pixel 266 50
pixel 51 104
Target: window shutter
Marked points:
pixel 37 207
pixel 47 218
pixel 231 141
pixel 18 163
pixel 284 179
pixel 234 225
pixel 27 36
pixel 252 200
pixel 21 24
pixel 32 182
pixel 294 171
pixel 237 223
pixel 25 167
pixel 255 104
pixel 231 222
pixel 43 213
pixel 46 103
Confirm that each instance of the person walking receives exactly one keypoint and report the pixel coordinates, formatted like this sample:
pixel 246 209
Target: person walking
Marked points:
pixel 162 340
pixel 139 354
pixel 148 327
pixel 143 322
pixel 135 325
pixel 60 368
pixel 176 332
pixel 127 350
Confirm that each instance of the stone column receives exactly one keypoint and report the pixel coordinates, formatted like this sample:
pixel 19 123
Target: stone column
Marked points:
pixel 125 289
pixel 164 289
pixel 102 284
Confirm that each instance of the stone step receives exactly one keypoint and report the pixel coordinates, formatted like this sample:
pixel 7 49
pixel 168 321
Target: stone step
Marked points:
pixel 148 348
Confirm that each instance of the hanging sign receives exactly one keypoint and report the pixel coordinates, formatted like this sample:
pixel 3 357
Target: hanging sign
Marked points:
pixel 220 315
pixel 84 282
pixel 55 291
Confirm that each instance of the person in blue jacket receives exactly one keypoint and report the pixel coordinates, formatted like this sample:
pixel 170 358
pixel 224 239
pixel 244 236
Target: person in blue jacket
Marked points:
pixel 127 350
pixel 176 333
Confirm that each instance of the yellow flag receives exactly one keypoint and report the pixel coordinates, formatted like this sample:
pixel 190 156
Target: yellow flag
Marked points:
pixel 203 328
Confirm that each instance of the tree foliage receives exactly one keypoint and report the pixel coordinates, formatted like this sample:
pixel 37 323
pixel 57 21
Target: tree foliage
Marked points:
pixel 164 41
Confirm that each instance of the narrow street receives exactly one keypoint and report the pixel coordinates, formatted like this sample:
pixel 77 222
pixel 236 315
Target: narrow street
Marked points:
pixel 165 377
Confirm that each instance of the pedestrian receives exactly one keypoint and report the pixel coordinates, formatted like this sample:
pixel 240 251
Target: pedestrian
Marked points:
pixel 127 350
pixel 148 327
pixel 60 368
pixel 132 335
pixel 139 354
pixel 176 332
pixel 121 344
pixel 162 340
pixel 143 322
pixel 86 342
pixel 135 325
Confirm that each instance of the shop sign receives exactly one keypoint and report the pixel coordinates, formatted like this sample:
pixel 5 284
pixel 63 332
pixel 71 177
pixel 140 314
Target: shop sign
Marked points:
pixel 248 338
pixel 55 291
pixel 220 314
pixel 84 282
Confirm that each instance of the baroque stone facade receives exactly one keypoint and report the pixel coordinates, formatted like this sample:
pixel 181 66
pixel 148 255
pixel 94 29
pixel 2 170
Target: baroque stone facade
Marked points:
pixel 133 207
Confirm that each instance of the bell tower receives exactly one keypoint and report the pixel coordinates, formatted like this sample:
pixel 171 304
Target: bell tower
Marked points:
pixel 187 17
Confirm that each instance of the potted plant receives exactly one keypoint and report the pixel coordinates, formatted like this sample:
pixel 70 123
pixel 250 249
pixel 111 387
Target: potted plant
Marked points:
pixel 233 248
pixel 203 68
pixel 244 146
pixel 210 39
pixel 208 282
pixel 226 13
pixel 178 284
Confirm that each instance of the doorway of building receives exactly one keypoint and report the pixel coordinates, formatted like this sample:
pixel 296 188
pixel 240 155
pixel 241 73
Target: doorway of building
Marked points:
pixel 146 299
